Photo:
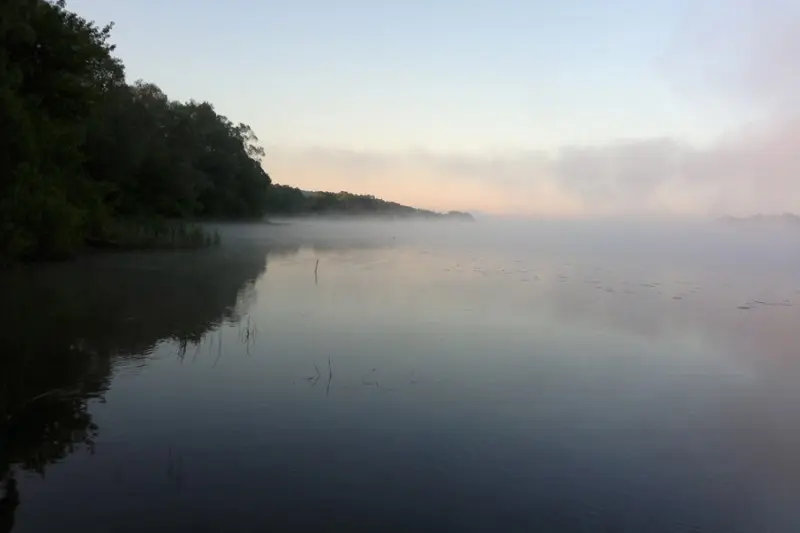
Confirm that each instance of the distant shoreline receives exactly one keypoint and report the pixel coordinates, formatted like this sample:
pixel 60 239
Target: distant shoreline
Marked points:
pixel 288 201
pixel 274 218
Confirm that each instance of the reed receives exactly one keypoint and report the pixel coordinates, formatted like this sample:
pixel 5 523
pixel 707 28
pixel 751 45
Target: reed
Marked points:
pixel 164 235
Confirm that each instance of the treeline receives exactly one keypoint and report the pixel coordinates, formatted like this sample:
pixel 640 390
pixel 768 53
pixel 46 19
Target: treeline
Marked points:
pixel 83 152
pixel 291 201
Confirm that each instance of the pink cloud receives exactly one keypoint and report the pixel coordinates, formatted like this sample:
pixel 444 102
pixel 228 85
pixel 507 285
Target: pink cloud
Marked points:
pixel 733 51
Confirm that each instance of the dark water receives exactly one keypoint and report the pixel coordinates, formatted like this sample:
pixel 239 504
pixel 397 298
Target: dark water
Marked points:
pixel 417 378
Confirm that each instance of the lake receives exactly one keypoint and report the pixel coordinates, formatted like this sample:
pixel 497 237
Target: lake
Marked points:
pixel 375 376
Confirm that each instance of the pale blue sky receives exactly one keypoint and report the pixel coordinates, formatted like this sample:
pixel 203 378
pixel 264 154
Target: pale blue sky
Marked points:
pixel 497 105
pixel 439 75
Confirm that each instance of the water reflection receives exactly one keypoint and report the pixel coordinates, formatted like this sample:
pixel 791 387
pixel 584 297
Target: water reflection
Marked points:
pixel 66 326
pixel 373 385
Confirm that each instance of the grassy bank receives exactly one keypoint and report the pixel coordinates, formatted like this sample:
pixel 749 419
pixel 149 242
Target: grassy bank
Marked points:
pixel 153 235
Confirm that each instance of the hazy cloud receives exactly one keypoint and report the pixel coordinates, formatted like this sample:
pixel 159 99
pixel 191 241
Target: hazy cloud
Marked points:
pixel 736 51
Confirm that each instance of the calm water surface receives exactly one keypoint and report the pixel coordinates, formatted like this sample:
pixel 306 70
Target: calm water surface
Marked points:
pixel 345 377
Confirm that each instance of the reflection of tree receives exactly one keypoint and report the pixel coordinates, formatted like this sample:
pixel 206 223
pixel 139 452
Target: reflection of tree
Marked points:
pixel 45 415
pixel 65 325
pixel 43 397
pixel 8 505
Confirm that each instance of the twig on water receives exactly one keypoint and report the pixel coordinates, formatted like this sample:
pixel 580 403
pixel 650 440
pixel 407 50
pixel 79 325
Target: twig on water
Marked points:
pixel 316 268
pixel 52 392
pixel 219 350
pixel 247 336
pixel 198 345
pixel 314 379
pixel 182 345
pixel 330 377
pixel 44 395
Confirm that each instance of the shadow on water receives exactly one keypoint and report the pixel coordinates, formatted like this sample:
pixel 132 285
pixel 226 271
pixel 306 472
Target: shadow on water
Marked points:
pixel 66 326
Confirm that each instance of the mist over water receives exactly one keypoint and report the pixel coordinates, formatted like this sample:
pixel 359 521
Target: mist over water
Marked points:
pixel 652 242
pixel 504 375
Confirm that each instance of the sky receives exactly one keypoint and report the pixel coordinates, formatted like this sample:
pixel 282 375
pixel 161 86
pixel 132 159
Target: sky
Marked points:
pixel 527 107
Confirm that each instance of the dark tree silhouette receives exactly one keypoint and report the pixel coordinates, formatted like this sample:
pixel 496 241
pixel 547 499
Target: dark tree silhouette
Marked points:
pixel 81 149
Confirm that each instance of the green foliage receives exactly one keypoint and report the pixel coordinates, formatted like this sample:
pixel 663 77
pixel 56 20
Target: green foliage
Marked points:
pixel 81 150
pixel 54 68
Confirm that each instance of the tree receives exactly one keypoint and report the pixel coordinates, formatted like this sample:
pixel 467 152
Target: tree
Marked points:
pixel 82 150
pixel 55 68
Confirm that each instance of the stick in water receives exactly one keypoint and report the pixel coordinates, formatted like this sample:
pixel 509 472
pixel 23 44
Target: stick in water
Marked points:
pixel 330 377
